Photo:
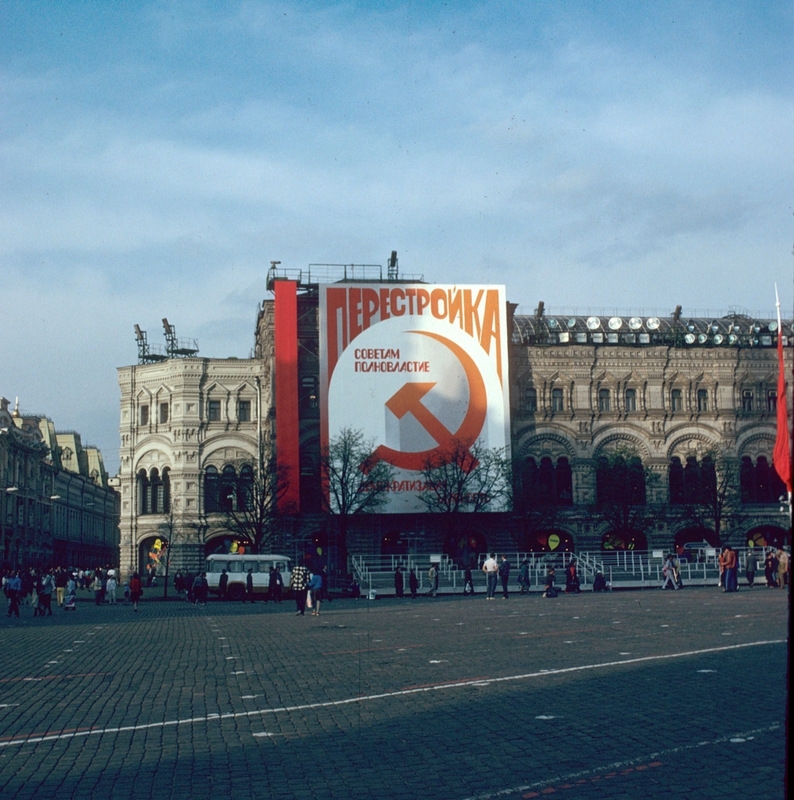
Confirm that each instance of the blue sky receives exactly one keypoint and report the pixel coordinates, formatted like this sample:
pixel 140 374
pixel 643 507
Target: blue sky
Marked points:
pixel 156 156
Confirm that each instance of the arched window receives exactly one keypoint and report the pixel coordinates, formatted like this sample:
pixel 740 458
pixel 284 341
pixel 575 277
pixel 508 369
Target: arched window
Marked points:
pixel 144 504
pixel 166 490
pixel 212 485
pixel 549 484
pixel 245 494
pixel 675 481
pixel 691 480
pixel 228 492
pixel 708 480
pixel 156 485
pixel 620 481
pixel 760 482
pixel 636 475
pixel 564 483
pixel 747 480
pixel 696 483
pixel 530 483
pixel 546 488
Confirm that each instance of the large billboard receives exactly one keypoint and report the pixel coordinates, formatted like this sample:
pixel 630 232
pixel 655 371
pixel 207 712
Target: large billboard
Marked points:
pixel 415 368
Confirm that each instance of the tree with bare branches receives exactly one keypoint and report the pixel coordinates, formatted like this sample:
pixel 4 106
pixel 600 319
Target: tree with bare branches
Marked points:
pixel 467 478
pixel 622 482
pixel 254 505
pixel 355 482
pixel 710 494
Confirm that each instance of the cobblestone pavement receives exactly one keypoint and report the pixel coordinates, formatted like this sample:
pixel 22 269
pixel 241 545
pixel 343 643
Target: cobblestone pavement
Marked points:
pixel 623 695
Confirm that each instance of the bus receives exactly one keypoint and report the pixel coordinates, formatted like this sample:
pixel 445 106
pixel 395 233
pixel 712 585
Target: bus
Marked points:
pixel 237 567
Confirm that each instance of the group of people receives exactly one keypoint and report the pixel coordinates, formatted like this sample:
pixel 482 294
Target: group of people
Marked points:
pixel 776 568
pixel 35 588
pixel 413 581
pixel 496 573
pixel 309 589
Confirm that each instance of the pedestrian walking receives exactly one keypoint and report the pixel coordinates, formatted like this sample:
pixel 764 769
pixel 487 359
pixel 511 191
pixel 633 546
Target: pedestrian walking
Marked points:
pixel 504 576
pixel 668 571
pixel 770 569
pixel 223 583
pixel 298 583
pixel 316 592
pixel 61 579
pixel 750 566
pixel 13 589
pixel 468 581
pixel 523 576
pixel 399 583
pixel 249 586
pixel 432 575
pixel 200 589
pixel 276 584
pixel 46 589
pixel 782 568
pixel 413 584
pixel 136 590
pixel 491 570
pixel 110 589
pixel 97 587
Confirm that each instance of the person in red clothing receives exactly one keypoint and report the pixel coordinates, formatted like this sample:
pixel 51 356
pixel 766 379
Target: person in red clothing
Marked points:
pixel 136 590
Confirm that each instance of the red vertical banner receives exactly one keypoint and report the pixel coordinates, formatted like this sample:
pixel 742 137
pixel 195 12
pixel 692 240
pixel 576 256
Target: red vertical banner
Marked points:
pixel 781 456
pixel 286 390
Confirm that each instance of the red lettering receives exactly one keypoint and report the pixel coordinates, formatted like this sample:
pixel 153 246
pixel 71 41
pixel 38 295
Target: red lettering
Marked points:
pixel 354 313
pixel 369 303
pixel 397 302
pixel 385 312
pixel 438 303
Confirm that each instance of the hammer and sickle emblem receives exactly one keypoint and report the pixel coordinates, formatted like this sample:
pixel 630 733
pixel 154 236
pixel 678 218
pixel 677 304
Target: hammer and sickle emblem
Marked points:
pixel 408 400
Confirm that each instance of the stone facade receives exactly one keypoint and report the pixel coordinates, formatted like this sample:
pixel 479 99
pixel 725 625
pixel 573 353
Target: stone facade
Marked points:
pixel 57 506
pixel 665 399
pixel 179 418
pixel 574 403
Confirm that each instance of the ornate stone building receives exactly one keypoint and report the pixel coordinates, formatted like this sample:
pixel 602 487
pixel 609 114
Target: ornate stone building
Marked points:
pixel 674 408
pixel 623 431
pixel 57 505
pixel 191 433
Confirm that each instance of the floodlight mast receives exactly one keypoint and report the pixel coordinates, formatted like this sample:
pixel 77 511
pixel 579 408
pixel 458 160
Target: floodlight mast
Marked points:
pixel 176 348
pixel 146 354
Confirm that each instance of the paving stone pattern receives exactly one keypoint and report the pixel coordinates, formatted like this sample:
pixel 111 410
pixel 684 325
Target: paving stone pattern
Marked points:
pixel 623 695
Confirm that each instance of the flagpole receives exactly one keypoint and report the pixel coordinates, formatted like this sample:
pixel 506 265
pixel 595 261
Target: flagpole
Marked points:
pixel 780 339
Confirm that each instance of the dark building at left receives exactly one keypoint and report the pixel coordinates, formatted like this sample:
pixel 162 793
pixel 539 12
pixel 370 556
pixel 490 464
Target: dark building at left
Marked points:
pixel 57 504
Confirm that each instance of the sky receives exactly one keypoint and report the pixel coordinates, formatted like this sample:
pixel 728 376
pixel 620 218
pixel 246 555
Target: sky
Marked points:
pixel 155 157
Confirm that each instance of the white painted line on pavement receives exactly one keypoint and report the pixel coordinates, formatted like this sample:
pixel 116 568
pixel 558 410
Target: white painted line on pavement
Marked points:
pixel 549 786
pixel 37 739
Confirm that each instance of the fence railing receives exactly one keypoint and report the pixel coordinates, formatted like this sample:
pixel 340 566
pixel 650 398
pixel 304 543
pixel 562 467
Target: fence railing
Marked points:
pixel 621 568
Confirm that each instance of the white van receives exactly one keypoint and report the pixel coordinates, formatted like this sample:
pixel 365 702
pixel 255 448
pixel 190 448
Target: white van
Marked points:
pixel 237 568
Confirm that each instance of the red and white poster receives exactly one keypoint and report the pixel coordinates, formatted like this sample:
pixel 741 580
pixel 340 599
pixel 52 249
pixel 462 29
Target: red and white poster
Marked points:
pixel 415 368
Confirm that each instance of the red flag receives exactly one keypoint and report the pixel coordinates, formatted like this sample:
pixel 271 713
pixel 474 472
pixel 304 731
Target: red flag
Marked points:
pixel 781 456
